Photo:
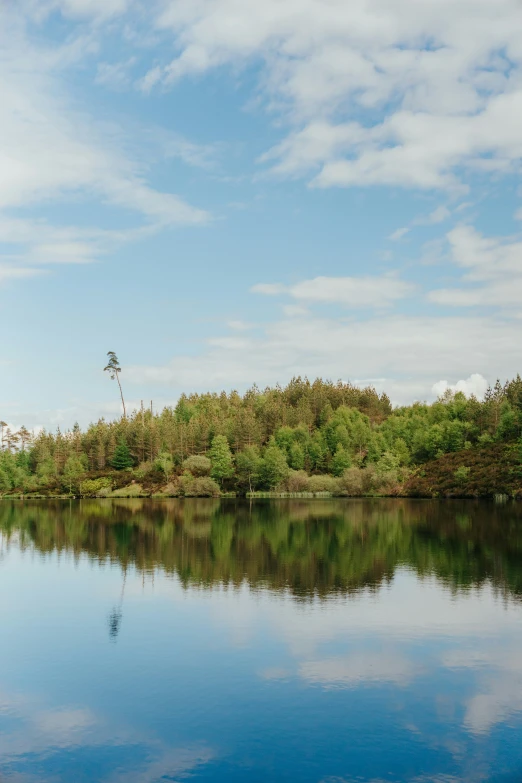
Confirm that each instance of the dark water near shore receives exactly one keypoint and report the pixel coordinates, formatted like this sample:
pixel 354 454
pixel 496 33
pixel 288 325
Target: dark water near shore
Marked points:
pixel 318 641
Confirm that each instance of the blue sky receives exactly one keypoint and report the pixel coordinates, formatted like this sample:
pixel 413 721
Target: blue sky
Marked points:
pixel 227 192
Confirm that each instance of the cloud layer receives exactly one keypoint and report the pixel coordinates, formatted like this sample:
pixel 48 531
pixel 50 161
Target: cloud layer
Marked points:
pixel 52 151
pixel 396 93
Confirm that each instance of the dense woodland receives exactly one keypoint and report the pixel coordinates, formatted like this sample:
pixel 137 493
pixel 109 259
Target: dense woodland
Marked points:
pixel 316 437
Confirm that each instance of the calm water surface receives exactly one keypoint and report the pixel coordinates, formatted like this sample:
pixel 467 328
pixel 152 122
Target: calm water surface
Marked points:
pixel 315 641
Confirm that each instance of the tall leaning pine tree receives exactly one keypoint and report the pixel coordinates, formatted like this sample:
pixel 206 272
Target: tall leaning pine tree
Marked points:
pixel 114 369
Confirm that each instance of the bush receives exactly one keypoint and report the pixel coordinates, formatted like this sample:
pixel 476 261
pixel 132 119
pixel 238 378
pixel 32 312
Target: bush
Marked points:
pixel 144 469
pixel 297 481
pixel 91 488
pixel 104 492
pixel 198 465
pixel 131 491
pixel 461 474
pixel 323 484
pixel 164 464
pixel 351 482
pixel 172 490
pixel 202 487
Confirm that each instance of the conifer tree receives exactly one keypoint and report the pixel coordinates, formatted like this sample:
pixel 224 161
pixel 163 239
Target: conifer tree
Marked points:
pixel 114 369
pixel 122 457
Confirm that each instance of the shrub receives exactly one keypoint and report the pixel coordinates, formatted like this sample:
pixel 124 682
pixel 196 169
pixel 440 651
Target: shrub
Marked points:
pixel 104 492
pixel 144 469
pixel 297 481
pixel 197 465
pixel 91 488
pixel 164 463
pixel 131 491
pixel 202 487
pixel 351 482
pixel 461 474
pixel 172 490
pixel 323 484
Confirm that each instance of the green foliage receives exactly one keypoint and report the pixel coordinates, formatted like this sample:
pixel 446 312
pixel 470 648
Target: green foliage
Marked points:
pixel 275 467
pixel 351 482
pixel 248 468
pixel 297 456
pixel 73 471
pixel 197 465
pixel 130 491
pixel 267 439
pixel 341 460
pixel 221 459
pixel 461 474
pixel 165 463
pixel 93 487
pixel 323 484
pixel 202 487
pixel 122 457
pixel 297 481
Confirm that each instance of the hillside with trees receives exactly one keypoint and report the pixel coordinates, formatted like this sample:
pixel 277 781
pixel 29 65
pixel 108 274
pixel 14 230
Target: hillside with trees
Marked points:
pixel 309 437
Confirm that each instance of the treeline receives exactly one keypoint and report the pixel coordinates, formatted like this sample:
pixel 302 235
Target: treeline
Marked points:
pixel 307 437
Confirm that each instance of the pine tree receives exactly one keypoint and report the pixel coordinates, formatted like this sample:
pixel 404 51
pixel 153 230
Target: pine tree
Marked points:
pixel 122 458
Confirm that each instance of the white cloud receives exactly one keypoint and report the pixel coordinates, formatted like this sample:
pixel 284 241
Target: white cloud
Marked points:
pixel 475 385
pixel 399 234
pixel 433 86
pixel 407 352
pixel 14 273
pixel 80 9
pixel 352 291
pixel 439 215
pixel 116 76
pixel 295 311
pixel 51 150
pixel 240 326
pixel 270 289
pixel 493 269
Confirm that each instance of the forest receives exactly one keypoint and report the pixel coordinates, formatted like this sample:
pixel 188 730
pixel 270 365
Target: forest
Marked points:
pixel 311 437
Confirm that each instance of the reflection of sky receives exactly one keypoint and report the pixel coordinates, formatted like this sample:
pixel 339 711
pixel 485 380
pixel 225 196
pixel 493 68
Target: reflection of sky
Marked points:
pixel 409 684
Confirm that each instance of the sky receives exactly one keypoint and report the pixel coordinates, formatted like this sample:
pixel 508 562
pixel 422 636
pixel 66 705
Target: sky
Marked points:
pixel 229 192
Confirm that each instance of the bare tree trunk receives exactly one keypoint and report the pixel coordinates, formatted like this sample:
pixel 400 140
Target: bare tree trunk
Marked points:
pixel 122 400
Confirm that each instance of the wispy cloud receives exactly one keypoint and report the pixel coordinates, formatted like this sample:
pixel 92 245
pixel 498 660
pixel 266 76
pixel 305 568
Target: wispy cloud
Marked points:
pixel 437 86
pixel 358 292
pixel 52 151
pixel 492 266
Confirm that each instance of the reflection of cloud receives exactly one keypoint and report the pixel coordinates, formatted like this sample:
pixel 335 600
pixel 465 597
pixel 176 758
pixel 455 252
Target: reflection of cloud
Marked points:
pixel 176 762
pixel 418 779
pixel 63 723
pixel 39 735
pixel 275 673
pixel 499 686
pixel 360 668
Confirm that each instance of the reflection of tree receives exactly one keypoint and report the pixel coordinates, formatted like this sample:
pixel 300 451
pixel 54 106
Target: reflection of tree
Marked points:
pixel 116 614
pixel 310 548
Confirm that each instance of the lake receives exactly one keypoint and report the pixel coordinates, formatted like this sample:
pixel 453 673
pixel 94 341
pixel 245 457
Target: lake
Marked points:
pixel 323 641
